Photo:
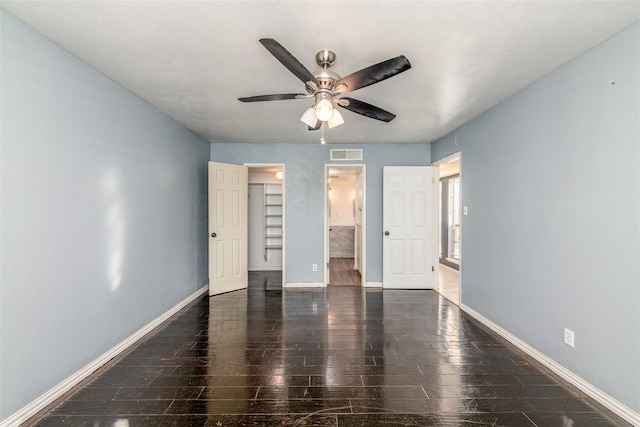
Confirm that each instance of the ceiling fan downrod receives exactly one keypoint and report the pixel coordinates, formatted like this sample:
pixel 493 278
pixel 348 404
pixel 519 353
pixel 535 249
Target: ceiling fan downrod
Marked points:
pixel 325 58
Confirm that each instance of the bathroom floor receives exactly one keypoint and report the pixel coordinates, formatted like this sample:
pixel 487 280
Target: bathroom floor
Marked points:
pixel 342 272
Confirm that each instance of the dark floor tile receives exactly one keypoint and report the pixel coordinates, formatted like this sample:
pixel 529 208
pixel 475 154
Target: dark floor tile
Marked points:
pixel 133 421
pixel 112 407
pixel 54 421
pixel 538 379
pixel 240 407
pixel 164 361
pixel 119 381
pixel 440 420
pixel 242 393
pixel 372 406
pixel 179 381
pixel 439 380
pixel 146 393
pixel 576 420
pixel 385 419
pixel 496 391
pixel 300 420
pixel 96 393
pixel 560 405
pixel 340 392
pixel 191 370
pixel 81 407
pixel 487 420
pixel 334 380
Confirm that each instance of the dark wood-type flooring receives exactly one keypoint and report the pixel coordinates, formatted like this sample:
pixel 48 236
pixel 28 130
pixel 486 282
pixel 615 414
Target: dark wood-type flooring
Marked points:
pixel 340 356
pixel 341 272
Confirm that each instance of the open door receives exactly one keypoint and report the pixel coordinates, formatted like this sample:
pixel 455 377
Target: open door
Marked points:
pixel 228 197
pixel 410 244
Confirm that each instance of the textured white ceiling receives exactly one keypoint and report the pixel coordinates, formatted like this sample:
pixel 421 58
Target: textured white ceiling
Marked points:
pixel 193 59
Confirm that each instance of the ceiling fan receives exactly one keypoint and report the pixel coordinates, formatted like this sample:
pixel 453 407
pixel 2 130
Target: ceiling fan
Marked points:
pixel 325 86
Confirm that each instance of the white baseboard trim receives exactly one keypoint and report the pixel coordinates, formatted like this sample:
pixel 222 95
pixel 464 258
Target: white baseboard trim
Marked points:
pixel 372 285
pixel 594 392
pixel 48 397
pixel 304 285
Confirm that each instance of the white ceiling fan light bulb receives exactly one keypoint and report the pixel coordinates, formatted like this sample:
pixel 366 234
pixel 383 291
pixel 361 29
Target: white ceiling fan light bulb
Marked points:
pixel 324 110
pixel 322 141
pixel 309 118
pixel 335 120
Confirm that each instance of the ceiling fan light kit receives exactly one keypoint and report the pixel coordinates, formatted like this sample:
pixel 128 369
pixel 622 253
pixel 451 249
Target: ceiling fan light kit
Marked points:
pixel 324 110
pixel 325 85
pixel 335 120
pixel 309 118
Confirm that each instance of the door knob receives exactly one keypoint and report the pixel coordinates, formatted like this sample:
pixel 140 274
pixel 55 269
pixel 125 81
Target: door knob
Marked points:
pixel 386 233
pixel 214 235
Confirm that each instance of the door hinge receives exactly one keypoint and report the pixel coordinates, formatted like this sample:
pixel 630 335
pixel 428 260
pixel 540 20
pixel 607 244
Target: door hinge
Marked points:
pixel 433 268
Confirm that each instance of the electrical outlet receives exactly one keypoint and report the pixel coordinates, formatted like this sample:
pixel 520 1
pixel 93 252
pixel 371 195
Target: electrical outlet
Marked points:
pixel 569 337
pixel 315 267
pixel 466 210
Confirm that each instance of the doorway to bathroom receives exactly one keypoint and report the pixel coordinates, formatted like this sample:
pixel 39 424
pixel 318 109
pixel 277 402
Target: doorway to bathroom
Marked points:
pixel 345 220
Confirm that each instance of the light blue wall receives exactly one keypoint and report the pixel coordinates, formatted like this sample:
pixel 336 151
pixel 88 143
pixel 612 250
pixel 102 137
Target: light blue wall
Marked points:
pixel 103 224
pixel 304 193
pixel 551 178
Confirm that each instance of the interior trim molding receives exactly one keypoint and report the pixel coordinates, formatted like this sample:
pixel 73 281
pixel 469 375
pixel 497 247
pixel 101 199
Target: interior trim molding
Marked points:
pixel 372 285
pixel 304 285
pixel 594 392
pixel 48 397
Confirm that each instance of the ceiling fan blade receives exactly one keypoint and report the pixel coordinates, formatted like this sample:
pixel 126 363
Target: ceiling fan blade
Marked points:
pixel 373 74
pixel 275 97
pixel 367 110
pixel 288 60
pixel 317 126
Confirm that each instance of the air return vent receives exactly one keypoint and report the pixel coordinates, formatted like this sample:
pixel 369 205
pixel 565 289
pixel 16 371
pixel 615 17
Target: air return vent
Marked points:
pixel 355 154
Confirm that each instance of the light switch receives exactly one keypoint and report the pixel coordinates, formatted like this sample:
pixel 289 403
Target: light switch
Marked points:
pixel 465 211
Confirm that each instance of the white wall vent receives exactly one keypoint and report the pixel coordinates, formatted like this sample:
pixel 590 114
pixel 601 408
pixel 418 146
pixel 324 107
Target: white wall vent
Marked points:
pixel 355 154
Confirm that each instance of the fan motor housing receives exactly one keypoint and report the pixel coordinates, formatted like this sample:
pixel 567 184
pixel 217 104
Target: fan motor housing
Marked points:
pixel 326 78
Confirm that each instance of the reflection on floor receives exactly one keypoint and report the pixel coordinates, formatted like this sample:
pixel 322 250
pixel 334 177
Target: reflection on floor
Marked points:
pixel 337 356
pixel 342 272
pixel 449 284
pixel 269 280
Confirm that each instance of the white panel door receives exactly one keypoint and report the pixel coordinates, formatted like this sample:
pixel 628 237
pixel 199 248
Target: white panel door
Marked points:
pixel 409 227
pixel 228 199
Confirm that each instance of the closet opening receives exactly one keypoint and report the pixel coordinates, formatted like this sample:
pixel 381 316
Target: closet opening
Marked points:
pixel 266 226
pixel 345 225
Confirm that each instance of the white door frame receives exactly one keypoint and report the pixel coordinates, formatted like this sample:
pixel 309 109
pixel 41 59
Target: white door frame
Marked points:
pixel 440 162
pixel 363 169
pixel 284 180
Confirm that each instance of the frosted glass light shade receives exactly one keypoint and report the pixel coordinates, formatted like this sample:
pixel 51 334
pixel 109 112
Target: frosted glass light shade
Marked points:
pixel 309 118
pixel 324 110
pixel 335 120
